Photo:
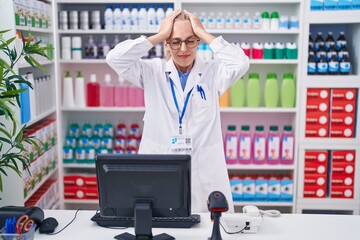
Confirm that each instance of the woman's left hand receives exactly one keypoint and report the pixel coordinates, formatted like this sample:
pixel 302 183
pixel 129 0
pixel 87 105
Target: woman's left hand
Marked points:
pixel 196 25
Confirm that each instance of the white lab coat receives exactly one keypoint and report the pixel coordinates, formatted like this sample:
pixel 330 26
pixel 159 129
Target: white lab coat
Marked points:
pixel 202 117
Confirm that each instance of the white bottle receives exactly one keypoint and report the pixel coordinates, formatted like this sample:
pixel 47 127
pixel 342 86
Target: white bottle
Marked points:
pixel 203 19
pixel 134 18
pixel 142 18
pixel 32 95
pixel 237 21
pixel 160 15
pixel 211 21
pixel 108 17
pixel 126 18
pixel 257 23
pixel 79 91
pixel 117 18
pixel 151 18
pixel 68 91
pixel 169 10
pixel 246 21
pixel 104 47
pixel 229 21
pixel 220 21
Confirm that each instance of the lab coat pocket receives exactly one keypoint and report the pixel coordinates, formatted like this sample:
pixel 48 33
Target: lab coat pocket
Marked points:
pixel 150 147
pixel 201 104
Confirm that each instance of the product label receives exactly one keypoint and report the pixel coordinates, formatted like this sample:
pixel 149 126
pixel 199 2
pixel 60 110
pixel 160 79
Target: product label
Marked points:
pixel 333 67
pixel 273 148
pixel 345 67
pixel 322 67
pixel 80 154
pixel 245 148
pixel 287 152
pixel 90 153
pixel 259 148
pixel 68 153
pixel 311 67
pixel 230 151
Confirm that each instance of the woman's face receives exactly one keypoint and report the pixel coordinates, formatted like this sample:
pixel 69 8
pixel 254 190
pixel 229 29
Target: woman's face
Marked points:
pixel 184 56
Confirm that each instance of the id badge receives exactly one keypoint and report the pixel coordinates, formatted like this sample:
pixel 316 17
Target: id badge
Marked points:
pixel 181 143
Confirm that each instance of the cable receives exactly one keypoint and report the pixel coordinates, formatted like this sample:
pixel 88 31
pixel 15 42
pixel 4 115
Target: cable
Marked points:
pixel 270 213
pixel 97 211
pixel 67 224
pixel 240 231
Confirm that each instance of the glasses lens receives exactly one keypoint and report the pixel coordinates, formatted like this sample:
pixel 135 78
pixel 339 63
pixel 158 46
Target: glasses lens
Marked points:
pixel 175 44
pixel 191 42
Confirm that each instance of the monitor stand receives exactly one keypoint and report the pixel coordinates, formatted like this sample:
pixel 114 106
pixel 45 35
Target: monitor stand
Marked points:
pixel 143 225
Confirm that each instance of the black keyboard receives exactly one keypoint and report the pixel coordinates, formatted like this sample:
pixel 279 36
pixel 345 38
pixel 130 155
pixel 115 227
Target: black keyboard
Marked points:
pixel 157 222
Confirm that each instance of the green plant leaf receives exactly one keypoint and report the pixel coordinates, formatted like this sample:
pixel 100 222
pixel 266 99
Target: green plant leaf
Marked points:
pixel 28 60
pixel 20 134
pixel 1 72
pixel 5 133
pixel 5 140
pixel 7 66
pixel 14 128
pixel 38 64
pixel 7 43
pixel 4 31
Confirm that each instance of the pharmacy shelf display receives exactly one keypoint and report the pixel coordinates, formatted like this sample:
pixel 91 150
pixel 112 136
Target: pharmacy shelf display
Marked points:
pixel 329 149
pixel 38 112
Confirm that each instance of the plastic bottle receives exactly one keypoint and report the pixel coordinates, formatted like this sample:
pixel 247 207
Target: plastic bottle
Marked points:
pixel 271 91
pixel 134 22
pixel 98 129
pixel 115 42
pixel 259 146
pixel 269 50
pixel 121 93
pixel 95 20
pixel 322 65
pixel 237 94
pixel 229 21
pixel 93 92
pixel 220 21
pixel 274 21
pixel 258 50
pixel 257 21
pixel 333 65
pixel 237 21
pixel 211 21
pixel 331 51
pixel 265 20
pixel 284 22
pixel 126 18
pixel 231 145
pixel 131 95
pixel 96 142
pixel 343 51
pixel 246 48
pixel 329 41
pixel 109 18
pixel 311 69
pixel 321 51
pixel 68 154
pixel 107 92
pixel 142 17
pixel 107 142
pixel 288 91
pixel 279 50
pixel 89 154
pixel 91 50
pixel 245 152
pixel 273 146
pixel 319 40
pixel 287 146
pixel 74 129
pixel 160 15
pixel 291 50
pixel 345 65
pixel 79 90
pixel 118 150
pixel 246 21
pixel 104 47
pixel 169 10
pixel 151 17
pixel 203 19
pixel 25 103
pixel 117 18
pixel 121 128
pixel 68 93
pixel 87 129
pixel 108 129
pixel 253 91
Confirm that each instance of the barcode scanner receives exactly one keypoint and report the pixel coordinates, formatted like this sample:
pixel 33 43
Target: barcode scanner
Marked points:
pixel 217 204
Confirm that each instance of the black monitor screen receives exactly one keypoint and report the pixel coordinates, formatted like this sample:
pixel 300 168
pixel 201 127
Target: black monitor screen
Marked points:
pixel 161 180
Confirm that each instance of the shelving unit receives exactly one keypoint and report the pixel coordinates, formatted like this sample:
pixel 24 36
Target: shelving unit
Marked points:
pixel 13 193
pixel 348 21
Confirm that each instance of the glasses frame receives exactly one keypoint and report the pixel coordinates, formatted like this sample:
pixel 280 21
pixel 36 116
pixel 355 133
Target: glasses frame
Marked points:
pixel 183 41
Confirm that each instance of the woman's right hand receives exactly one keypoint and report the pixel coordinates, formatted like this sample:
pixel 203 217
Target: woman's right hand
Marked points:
pixel 166 28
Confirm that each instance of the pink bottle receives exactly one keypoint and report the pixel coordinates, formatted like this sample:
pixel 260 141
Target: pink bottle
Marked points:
pixel 245 145
pixel 121 93
pixel 246 48
pixel 140 97
pixel 132 97
pixel 273 146
pixel 121 128
pixel 258 50
pixel 231 141
pixel 93 92
pixel 107 92
pixel 259 146
pixel 287 146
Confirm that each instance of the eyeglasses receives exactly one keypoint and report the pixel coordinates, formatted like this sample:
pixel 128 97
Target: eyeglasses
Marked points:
pixel 175 44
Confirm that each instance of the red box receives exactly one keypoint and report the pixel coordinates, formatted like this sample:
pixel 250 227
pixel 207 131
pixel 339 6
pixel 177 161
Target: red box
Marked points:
pixel 343 156
pixel 342 180
pixel 91 193
pixel 342 107
pixel 316 131
pixel 319 118
pixel 315 179
pixel 74 180
pixel 339 168
pixel 340 131
pixel 74 192
pixel 347 119
pixel 320 157
pixel 318 93
pixel 314 192
pixel 315 168
pixel 90 181
pixel 342 192
pixel 317 105
pixel 343 94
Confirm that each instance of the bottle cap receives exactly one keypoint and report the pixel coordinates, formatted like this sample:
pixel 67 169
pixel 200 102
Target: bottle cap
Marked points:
pixel 265 15
pixel 79 75
pixel 93 78
pixel 107 78
pixel 254 75
pixel 274 15
pixel 232 128
pixel 271 75
pixel 288 128
pixel 67 74
pixel 245 127
pixel 289 75
pixel 273 128
pixel 259 128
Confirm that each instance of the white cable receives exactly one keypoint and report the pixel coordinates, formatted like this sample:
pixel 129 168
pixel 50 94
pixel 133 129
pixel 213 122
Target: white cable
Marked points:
pixel 270 213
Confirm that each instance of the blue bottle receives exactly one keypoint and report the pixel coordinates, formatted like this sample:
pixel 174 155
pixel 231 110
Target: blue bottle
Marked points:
pixel 25 104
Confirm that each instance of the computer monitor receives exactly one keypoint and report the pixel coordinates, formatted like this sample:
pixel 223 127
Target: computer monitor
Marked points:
pixel 144 186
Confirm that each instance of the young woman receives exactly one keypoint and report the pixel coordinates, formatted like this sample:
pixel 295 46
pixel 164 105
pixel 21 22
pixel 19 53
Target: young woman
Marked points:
pixel 182 97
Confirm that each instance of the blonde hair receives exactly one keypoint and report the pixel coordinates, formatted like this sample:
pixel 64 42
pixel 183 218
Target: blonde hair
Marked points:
pixel 181 17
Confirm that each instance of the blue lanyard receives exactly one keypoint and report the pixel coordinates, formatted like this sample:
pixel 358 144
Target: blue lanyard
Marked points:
pixel 177 105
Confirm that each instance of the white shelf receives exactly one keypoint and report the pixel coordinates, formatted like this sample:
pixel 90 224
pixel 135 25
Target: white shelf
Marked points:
pixel 330 143
pixel 257 110
pixel 242 1
pixel 42 62
pixel 275 204
pixel 43 180
pixel 259 167
pixel 331 81
pixel 274 61
pixel 104 109
pixel 333 17
pixel 84 201
pixel 32 30
pixel 112 2
pixel 252 31
pixel 103 31
pixel 329 203
pixel 77 165
pixel 83 61
pixel 41 116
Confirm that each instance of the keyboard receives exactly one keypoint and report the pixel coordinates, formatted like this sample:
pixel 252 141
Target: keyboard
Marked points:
pixel 157 222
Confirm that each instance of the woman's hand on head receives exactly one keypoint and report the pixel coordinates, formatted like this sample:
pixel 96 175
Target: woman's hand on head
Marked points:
pixel 196 25
pixel 166 26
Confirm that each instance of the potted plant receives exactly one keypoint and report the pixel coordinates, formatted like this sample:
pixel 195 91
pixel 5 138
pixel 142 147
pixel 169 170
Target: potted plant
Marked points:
pixel 12 138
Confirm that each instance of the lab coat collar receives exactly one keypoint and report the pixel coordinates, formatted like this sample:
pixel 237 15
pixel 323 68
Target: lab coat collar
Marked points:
pixel 194 77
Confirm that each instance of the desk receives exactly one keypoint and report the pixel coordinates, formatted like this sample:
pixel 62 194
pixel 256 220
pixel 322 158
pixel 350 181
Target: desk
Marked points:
pixel 288 226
